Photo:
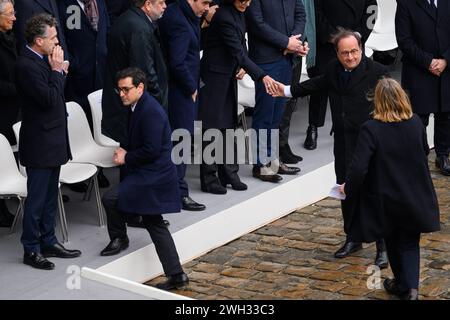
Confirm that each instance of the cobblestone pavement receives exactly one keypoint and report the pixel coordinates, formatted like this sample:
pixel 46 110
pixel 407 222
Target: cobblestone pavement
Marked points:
pixel 292 258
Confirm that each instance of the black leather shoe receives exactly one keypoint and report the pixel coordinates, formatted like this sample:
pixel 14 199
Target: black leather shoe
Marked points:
pixel 391 287
pixel 265 174
pixel 115 246
pixel 284 169
pixel 443 164
pixel 174 282
pixel 311 138
pixel 236 183
pixel 36 260
pixel 190 205
pixel 6 219
pixel 80 187
pixel 381 259
pixel 292 154
pixel 287 156
pixel 214 188
pixel 102 180
pixel 348 248
pixel 58 251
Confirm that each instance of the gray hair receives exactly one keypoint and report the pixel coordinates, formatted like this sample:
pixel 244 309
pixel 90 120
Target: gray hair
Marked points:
pixel 3 3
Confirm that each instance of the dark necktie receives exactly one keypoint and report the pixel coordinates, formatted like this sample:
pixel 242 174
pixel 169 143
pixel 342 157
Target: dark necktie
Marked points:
pixel 91 10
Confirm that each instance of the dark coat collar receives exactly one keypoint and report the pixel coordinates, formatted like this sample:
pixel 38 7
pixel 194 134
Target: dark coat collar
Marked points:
pixel 136 113
pixel 8 42
pixel 193 20
pixel 143 16
pixel 357 75
pixel 33 56
pixel 426 6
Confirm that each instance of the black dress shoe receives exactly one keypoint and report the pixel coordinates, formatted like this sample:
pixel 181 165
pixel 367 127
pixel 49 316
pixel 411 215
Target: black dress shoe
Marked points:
pixel 284 169
pixel 266 174
pixel 174 282
pixel 348 248
pixel 311 138
pixel 288 150
pixel 102 180
pixel 236 183
pixel 80 187
pixel 391 287
pixel 214 188
pixel 115 246
pixel 58 251
pixel 36 260
pixel 443 164
pixel 6 219
pixel 190 205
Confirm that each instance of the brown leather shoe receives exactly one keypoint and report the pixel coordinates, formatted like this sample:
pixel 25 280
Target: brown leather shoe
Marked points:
pixel 266 174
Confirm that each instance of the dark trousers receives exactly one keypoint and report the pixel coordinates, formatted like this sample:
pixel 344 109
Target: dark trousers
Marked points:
pixel 317 101
pixel 441 131
pixel 404 256
pixel 285 123
pixel 160 235
pixel 40 209
pixel 268 110
pixel 228 172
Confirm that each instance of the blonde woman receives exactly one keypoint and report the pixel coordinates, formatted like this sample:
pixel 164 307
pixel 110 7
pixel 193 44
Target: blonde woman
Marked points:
pixel 390 181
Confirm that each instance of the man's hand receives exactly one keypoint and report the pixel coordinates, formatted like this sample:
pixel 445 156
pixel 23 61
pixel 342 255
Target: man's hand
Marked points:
pixel 342 189
pixel 194 96
pixel 66 66
pixel 209 15
pixel 294 43
pixel 303 52
pixel 119 156
pixel 278 90
pixel 270 84
pixel 56 59
pixel 240 75
pixel 438 66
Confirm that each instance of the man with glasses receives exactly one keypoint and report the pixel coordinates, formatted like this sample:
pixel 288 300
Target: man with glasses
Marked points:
pixel 347 81
pixel 150 184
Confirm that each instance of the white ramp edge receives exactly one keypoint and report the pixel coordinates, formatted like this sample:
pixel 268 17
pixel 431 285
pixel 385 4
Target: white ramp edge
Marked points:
pixel 131 271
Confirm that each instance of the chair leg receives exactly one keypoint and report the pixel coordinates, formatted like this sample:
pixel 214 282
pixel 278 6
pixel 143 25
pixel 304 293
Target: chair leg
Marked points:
pixel 87 195
pixel 62 218
pixel 101 215
pixel 19 212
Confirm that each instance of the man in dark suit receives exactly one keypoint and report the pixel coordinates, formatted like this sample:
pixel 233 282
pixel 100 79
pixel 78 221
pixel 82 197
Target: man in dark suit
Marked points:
pixel 422 28
pixel 331 14
pixel 180 36
pixel 28 8
pixel 274 32
pixel 133 42
pixel 44 140
pixel 150 186
pixel 347 81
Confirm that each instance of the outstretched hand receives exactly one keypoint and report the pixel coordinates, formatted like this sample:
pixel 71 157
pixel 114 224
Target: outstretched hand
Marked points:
pixel 278 90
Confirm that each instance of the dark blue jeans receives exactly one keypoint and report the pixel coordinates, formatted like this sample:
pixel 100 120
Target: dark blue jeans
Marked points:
pixel 268 110
pixel 40 209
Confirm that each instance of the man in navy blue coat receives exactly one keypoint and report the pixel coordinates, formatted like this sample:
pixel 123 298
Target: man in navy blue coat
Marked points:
pixel 28 8
pixel 44 139
pixel 150 185
pixel 180 36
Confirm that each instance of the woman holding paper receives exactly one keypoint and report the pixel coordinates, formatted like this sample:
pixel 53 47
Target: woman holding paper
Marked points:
pixel 390 180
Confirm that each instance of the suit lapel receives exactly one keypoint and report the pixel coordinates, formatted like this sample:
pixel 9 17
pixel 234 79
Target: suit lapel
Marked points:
pixel 425 5
pixel 33 56
pixel 48 7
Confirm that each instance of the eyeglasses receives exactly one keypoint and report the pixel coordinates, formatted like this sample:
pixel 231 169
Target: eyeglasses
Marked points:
pixel 353 53
pixel 125 90
pixel 9 15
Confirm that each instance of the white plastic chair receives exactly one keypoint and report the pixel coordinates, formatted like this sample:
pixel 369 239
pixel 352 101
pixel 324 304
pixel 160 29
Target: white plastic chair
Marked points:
pixel 12 183
pixel 70 173
pixel 383 36
pixel 95 102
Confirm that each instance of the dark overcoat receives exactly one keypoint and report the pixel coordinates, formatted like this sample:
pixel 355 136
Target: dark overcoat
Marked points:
pixel 390 181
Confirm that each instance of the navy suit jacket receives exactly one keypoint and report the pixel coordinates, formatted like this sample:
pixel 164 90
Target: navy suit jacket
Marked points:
pixel 180 36
pixel 87 49
pixel 270 24
pixel 150 185
pixel 29 8
pixel 44 139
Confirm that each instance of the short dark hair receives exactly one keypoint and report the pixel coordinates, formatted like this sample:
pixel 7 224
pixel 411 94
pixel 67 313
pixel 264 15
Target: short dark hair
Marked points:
pixel 343 33
pixel 137 76
pixel 37 25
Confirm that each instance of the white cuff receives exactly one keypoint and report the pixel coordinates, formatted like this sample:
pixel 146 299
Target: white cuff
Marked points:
pixel 287 92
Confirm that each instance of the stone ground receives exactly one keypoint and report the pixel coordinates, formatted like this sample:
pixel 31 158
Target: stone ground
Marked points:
pixel 292 258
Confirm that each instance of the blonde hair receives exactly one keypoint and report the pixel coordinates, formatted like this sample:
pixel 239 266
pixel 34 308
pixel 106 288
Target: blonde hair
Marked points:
pixel 391 102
